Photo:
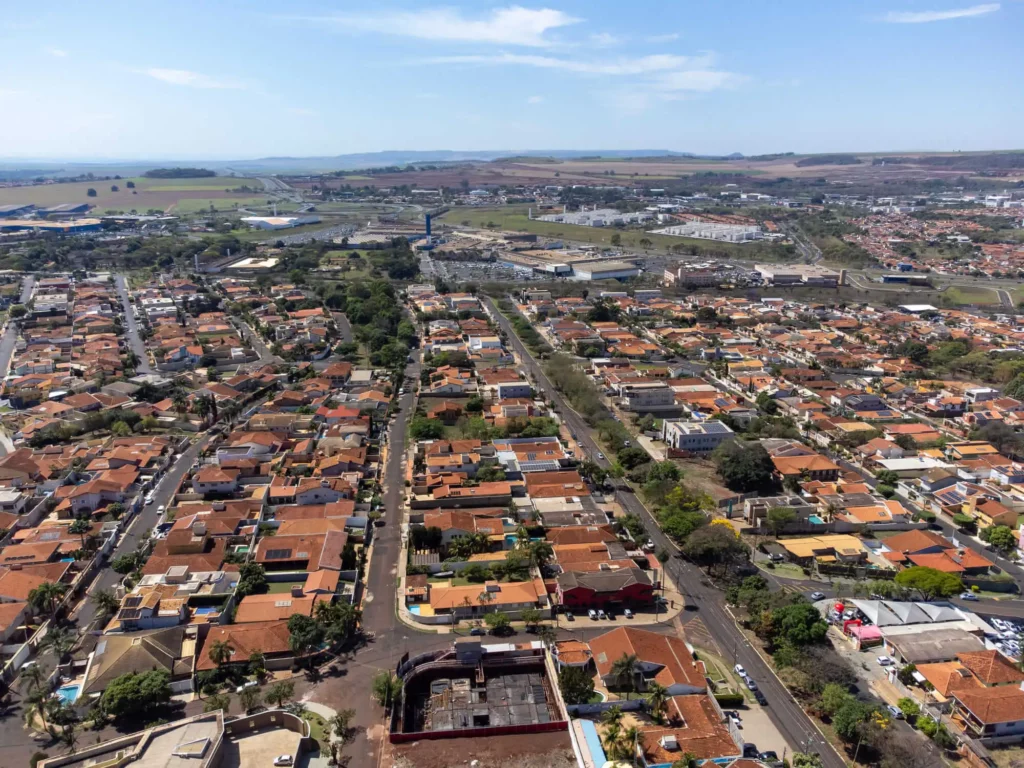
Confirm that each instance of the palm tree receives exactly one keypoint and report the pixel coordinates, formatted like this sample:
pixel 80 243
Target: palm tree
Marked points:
pixel 61 641
pixel 105 601
pixel 624 669
pixel 81 526
pixel 201 408
pixel 630 738
pixel 478 542
pixel 612 716
pixel 220 652
pixel 657 698
pixel 522 536
pixel 34 677
pixel 44 598
pixel 540 553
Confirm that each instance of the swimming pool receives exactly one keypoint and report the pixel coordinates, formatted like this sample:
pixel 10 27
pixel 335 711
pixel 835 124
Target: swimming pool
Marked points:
pixel 414 609
pixel 815 519
pixel 205 610
pixel 68 693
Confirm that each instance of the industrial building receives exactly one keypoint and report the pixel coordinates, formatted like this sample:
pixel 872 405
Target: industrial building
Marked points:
pixel 797 274
pixel 604 270
pixel 64 209
pixel 59 227
pixel 598 217
pixel 705 230
pixel 279 222
pixel 15 209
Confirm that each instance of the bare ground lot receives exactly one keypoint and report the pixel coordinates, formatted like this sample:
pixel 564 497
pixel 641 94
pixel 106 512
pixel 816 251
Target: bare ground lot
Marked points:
pixel 160 194
pixel 535 750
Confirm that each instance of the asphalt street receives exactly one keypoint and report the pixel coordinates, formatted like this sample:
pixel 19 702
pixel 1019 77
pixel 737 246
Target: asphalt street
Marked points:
pixel 10 337
pixel 260 346
pixel 132 328
pixel 708 602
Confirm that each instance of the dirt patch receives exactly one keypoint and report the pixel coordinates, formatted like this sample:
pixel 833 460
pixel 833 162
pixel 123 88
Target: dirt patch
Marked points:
pixel 536 750
pixel 701 474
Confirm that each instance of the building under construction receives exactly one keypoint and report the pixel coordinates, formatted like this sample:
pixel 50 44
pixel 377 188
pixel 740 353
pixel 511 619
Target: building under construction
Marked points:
pixel 456 704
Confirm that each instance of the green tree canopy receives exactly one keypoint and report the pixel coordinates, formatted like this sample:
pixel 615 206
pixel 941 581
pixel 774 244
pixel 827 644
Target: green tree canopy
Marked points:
pixel 576 685
pixel 931 583
pixel 744 468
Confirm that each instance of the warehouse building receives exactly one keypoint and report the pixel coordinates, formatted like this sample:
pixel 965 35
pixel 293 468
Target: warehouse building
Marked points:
pixel 799 274
pixel 706 230
pixel 279 222
pixel 604 270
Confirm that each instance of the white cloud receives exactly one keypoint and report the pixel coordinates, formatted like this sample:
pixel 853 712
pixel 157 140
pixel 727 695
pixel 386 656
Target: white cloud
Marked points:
pixel 923 17
pixel 58 52
pixel 605 40
pixel 663 38
pixel 513 25
pixel 191 79
pixel 701 80
pixel 661 62
pixel 535 100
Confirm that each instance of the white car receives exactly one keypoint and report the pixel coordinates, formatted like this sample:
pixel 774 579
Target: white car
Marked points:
pixel 592 614
pixel 162 508
pixel 740 670
pixel 627 613
pixel 283 760
pixel 968 596
pixel 884 661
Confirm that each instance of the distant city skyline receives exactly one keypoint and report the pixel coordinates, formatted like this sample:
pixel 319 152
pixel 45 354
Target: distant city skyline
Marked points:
pixel 235 81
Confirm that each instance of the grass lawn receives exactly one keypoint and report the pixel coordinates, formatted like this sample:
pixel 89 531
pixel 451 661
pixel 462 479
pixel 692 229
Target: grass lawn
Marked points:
pixel 317 726
pixel 456 581
pixel 960 294
pixel 202 204
pixel 282 587
pixel 515 218
pixel 784 570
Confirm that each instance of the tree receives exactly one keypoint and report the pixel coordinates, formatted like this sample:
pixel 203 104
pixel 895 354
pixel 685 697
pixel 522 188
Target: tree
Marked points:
pixel 906 442
pixel 780 518
pixel 60 641
pixel 908 707
pixel 744 468
pixel 252 579
pixel 81 526
pixel 217 701
pixel 833 697
pixel 612 716
pixel 423 428
pixel 797 624
pixel 18 310
pixel 847 719
pixel 120 429
pixel 257 664
pixel 1001 537
pixel 45 598
pixel 387 689
pixel 490 473
pixel 134 694
pixel 630 458
pixel 130 184
pixel 532 617
pixel 625 669
pixel 280 692
pixel 887 477
pixel 498 621
pixel 126 563
pixel 616 239
pixel 931 583
pixel 540 553
pixel 250 699
pixel 713 544
pixel 806 760
pixel 220 652
pixel 657 698
pixel 305 635
pixel 576 685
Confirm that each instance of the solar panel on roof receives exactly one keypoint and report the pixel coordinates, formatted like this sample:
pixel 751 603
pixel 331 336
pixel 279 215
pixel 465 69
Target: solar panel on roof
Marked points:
pixel 278 554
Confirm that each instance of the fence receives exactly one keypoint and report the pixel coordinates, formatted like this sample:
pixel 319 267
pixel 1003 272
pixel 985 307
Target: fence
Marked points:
pixel 856 572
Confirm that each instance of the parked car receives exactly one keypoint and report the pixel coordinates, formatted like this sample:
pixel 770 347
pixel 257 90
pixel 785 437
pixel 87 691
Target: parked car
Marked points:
pixel 751 684
pixel 968 596
pixel 770 757
pixel 816 596
pixel 478 631
pixel 243 686
pixel 750 750
pixel 283 760
pixel 734 718
pixel 600 456
pixel 627 613
pixel 760 698
pixel 601 614
pixel 569 616
pixel 739 670
pixel 895 711
pixel 884 661
pixel 592 614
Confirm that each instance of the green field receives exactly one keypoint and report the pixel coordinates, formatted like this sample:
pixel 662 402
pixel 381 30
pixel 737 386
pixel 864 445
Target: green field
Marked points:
pixel 960 294
pixel 514 219
pixel 202 204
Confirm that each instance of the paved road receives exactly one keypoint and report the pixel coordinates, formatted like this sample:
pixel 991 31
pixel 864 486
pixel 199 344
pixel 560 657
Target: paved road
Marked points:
pixel 785 713
pixel 10 337
pixel 132 328
pixel 1005 298
pixel 144 520
pixel 257 343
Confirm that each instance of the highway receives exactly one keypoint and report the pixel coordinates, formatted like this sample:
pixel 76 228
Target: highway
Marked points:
pixel 132 328
pixel 794 724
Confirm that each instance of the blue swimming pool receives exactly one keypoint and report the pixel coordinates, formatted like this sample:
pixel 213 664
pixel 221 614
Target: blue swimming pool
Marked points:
pixel 815 519
pixel 68 693
pixel 205 610
pixel 414 609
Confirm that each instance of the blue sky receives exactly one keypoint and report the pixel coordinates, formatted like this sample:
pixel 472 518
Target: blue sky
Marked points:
pixel 205 80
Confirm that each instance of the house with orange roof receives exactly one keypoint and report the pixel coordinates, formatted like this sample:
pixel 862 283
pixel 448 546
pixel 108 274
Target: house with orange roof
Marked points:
pixel 696 727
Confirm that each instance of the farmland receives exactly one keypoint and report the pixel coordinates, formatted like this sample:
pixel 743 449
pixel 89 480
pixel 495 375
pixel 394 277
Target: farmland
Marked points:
pixel 149 194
